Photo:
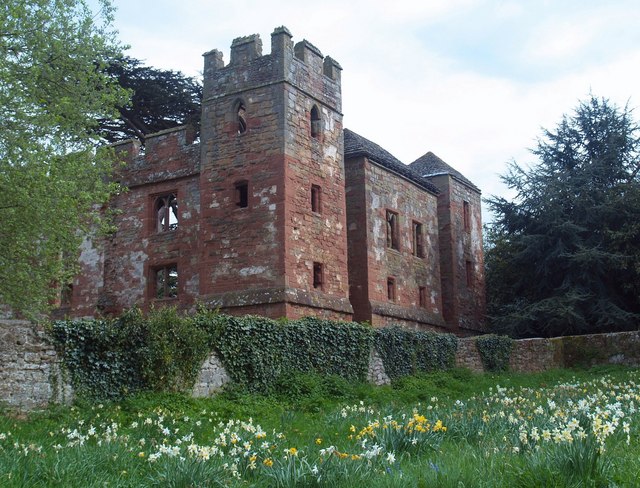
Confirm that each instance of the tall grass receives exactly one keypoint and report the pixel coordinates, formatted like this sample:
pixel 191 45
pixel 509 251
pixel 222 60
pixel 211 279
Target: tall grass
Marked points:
pixel 563 428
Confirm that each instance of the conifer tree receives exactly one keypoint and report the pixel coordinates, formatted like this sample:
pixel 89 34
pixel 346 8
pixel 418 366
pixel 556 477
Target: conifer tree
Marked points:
pixel 160 99
pixel 563 257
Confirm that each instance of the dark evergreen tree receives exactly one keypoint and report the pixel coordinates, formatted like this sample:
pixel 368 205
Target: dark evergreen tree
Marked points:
pixel 564 256
pixel 159 100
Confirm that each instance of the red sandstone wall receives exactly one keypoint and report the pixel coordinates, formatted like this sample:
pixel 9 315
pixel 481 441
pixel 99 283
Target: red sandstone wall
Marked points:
pixel 263 255
pixel 463 302
pixel 116 271
pixel 242 248
pixel 357 211
pixel 384 191
pixel 315 236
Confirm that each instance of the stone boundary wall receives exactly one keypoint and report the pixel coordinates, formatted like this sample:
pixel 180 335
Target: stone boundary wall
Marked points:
pixel 540 354
pixel 30 375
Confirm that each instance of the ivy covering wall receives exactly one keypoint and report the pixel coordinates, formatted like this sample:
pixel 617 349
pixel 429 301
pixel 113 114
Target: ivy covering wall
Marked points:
pixel 164 350
pixel 495 351
pixel 406 352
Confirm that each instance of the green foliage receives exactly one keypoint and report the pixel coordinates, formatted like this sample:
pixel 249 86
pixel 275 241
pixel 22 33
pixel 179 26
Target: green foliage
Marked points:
pixel 164 352
pixel 495 351
pixel 171 348
pixel 564 256
pixel 96 355
pixel 55 447
pixel 160 100
pixel 53 88
pixel 405 352
pixel 258 352
pixel 113 358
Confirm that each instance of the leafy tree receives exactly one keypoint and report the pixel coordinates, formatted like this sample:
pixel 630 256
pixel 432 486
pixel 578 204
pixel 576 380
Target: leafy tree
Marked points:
pixel 160 100
pixel 564 256
pixel 53 89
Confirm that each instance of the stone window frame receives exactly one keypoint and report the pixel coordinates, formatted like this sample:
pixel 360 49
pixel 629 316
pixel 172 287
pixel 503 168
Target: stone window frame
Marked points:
pixel 392 223
pixel 240 116
pixel 241 193
pixel 65 296
pixel 422 296
pixel 317 278
pixel 316 199
pixel 162 224
pixel 466 215
pixel 167 291
pixel 315 122
pixel 417 239
pixel 392 292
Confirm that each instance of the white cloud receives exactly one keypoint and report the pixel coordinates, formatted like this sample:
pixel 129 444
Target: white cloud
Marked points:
pixel 411 95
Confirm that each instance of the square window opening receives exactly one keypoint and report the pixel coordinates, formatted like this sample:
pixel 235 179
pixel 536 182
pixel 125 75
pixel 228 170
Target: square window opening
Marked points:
pixel 166 282
pixel 66 294
pixel 318 276
pixel 393 237
pixel 418 239
pixel 391 289
pixel 466 211
pixel 422 296
pixel 316 199
pixel 242 194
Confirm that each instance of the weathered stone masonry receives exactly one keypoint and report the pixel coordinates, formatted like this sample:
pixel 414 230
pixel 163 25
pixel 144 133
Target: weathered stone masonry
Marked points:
pixel 279 211
pixel 30 371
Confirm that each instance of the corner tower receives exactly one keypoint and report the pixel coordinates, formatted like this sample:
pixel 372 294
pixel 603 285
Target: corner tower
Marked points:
pixel 273 230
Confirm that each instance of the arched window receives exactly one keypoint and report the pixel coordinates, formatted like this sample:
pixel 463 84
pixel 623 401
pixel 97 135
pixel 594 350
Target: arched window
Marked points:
pixel 166 212
pixel 316 122
pixel 241 118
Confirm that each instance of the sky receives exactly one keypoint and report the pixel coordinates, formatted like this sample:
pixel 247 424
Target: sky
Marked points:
pixel 473 81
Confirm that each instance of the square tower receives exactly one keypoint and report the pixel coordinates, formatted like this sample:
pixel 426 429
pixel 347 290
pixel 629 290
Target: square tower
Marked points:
pixel 273 220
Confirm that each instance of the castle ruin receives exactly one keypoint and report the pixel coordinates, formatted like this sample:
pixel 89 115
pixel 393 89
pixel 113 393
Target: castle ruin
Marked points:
pixel 279 211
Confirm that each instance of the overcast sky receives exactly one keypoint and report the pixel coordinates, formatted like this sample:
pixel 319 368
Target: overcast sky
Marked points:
pixel 473 81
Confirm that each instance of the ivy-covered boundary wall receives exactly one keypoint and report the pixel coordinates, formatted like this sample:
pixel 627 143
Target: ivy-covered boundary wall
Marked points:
pixel 106 359
pixel 541 354
pixel 201 353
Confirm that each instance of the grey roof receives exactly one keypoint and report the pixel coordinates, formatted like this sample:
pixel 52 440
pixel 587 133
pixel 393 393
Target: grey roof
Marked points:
pixel 431 165
pixel 355 146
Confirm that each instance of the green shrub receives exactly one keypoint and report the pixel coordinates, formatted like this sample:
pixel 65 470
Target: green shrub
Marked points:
pixel 258 352
pixel 98 357
pixel 113 358
pixel 174 350
pixel 495 351
pixel 406 352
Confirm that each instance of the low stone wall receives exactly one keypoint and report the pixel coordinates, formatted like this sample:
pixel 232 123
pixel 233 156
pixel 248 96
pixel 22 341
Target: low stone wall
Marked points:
pixel 540 354
pixel 376 373
pixel 211 379
pixel 467 356
pixel 30 373
pixel 29 367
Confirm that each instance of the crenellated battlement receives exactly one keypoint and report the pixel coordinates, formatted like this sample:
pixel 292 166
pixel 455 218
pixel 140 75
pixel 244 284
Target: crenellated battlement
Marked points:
pixel 302 65
pixel 167 154
pixel 306 51
pixel 245 49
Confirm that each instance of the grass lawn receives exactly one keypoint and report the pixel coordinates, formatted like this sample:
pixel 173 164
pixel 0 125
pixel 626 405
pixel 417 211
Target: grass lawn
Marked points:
pixel 559 428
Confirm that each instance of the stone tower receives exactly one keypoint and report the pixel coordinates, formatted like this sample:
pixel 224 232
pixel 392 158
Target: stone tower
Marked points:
pixel 460 241
pixel 273 221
